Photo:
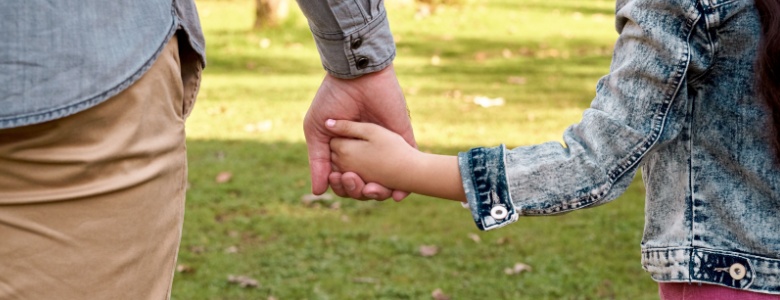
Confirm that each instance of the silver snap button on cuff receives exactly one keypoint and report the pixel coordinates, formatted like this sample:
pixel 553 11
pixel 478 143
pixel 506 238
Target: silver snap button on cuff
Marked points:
pixel 498 212
pixel 737 271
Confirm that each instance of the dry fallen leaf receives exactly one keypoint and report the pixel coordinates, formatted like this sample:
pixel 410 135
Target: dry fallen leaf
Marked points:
pixel 525 52
pixel 182 268
pixel 519 80
pixel 423 11
pixel 216 110
pixel 517 269
pixel 488 102
pixel 311 198
pixel 506 53
pixel 474 237
pixel 219 155
pixel 262 126
pixel 243 281
pixel 502 240
pixel 271 298
pixel 197 249
pixel 480 56
pixel 265 43
pixel 438 294
pixel 223 177
pixel 335 206
pixel 364 280
pixel 294 46
pixel 428 250
pixel 231 250
pixel 454 94
pixel 435 60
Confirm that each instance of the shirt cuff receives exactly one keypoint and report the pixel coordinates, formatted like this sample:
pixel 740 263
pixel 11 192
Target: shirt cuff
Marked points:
pixel 483 172
pixel 368 49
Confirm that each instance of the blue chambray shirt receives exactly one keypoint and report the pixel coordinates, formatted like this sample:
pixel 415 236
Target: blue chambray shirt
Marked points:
pixel 352 37
pixel 58 58
pixel 679 103
pixel 61 57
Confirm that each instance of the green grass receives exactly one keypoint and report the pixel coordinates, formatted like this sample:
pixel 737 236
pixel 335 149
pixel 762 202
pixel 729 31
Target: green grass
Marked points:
pixel 256 225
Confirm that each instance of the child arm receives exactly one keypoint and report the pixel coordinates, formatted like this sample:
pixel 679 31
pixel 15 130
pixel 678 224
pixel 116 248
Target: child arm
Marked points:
pixel 381 156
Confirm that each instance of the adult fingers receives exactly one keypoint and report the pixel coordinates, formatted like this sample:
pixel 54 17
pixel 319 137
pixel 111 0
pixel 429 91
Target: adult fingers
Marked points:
pixel 334 179
pixel 319 164
pixel 376 191
pixel 347 186
pixel 353 185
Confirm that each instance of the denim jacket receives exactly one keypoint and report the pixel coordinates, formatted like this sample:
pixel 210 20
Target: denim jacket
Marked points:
pixel 61 57
pixel 680 103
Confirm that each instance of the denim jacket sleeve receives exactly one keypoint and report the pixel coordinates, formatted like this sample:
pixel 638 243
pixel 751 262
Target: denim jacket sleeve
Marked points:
pixel 639 105
pixel 353 37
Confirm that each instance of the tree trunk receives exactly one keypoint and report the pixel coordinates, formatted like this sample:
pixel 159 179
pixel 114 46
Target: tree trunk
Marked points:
pixel 270 13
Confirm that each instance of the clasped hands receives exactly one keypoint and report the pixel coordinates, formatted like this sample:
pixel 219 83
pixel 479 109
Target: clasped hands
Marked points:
pixel 373 98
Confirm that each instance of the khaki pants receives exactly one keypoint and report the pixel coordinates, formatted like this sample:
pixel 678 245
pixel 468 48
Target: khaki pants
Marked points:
pixel 91 205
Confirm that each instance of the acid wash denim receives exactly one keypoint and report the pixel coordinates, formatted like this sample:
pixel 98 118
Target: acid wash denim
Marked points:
pixel 679 102
pixel 58 58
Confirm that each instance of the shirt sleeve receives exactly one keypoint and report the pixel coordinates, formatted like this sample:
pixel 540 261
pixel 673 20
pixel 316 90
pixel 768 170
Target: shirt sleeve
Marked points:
pixel 352 37
pixel 640 106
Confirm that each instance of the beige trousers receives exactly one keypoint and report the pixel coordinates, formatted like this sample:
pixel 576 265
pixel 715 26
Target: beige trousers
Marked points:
pixel 91 205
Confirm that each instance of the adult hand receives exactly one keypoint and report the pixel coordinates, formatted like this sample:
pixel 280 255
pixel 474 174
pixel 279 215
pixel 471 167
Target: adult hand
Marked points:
pixel 374 98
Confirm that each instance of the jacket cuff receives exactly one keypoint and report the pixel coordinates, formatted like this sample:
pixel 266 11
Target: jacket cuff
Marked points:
pixel 483 172
pixel 366 50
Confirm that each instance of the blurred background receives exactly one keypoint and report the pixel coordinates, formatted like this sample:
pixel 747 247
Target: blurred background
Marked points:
pixel 475 73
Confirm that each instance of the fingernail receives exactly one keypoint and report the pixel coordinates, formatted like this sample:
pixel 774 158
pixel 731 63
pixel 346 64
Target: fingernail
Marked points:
pixel 349 186
pixel 330 123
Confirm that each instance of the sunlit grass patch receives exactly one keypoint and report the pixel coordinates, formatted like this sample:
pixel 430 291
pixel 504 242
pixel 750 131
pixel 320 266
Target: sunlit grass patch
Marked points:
pixel 543 58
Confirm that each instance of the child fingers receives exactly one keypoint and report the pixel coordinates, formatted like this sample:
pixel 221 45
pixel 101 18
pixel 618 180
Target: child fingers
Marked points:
pixel 350 129
pixel 337 145
pixel 399 196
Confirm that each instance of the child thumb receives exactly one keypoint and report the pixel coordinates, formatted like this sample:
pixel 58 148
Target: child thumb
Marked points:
pixel 348 128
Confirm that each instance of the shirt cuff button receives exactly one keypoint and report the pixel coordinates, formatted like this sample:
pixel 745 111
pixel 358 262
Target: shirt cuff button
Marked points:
pixel 362 62
pixel 356 43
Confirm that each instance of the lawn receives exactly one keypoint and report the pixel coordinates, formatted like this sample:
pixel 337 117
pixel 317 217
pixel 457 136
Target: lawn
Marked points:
pixel 249 172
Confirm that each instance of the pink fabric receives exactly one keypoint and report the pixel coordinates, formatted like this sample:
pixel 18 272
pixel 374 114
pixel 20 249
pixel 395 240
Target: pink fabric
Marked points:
pixel 685 291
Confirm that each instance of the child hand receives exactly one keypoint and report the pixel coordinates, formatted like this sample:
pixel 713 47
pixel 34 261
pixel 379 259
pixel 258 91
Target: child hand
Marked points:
pixel 373 152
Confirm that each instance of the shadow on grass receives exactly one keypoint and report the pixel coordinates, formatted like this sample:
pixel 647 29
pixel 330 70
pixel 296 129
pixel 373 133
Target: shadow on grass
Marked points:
pixel 256 225
pixel 242 52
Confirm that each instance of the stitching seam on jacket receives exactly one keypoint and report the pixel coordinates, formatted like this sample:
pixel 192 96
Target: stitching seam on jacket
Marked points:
pixel 640 150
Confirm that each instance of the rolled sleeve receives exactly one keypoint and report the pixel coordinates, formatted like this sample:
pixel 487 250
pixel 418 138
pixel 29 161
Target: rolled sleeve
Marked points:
pixel 484 180
pixel 352 37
